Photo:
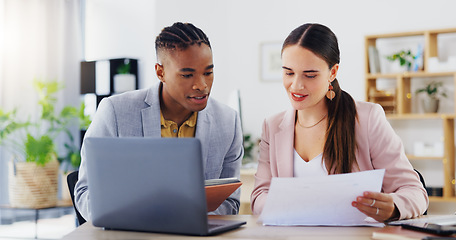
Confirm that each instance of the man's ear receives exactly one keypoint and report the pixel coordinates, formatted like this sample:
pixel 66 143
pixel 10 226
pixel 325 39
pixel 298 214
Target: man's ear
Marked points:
pixel 159 71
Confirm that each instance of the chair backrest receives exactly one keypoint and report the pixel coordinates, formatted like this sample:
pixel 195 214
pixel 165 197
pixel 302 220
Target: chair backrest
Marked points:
pixel 422 182
pixel 71 180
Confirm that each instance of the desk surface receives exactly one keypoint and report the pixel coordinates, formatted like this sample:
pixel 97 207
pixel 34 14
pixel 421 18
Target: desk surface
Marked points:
pixel 252 230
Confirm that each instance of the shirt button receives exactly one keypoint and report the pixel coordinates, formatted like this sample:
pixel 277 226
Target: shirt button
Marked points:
pixel 175 130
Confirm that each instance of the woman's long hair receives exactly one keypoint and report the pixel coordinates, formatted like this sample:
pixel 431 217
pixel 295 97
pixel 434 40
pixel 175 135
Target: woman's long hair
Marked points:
pixel 340 146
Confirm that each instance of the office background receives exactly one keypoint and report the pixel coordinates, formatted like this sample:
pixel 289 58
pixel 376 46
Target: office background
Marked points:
pixel 236 28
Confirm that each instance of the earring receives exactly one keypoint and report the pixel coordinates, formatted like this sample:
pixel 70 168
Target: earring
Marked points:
pixel 330 94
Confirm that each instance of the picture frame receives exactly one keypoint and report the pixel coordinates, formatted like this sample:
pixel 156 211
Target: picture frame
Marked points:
pixel 271 62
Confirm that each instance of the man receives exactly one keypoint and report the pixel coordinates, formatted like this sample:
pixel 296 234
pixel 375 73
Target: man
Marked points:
pixel 178 106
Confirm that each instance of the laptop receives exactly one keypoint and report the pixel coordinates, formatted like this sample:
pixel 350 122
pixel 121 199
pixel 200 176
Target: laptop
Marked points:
pixel 440 225
pixel 151 185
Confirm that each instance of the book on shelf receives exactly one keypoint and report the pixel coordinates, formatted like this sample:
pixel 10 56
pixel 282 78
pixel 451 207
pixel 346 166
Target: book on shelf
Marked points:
pixel 218 190
pixel 374 60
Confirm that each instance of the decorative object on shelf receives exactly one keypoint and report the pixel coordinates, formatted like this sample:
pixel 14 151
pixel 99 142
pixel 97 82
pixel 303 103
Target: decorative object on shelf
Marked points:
pixel 428 149
pixel 33 171
pixel 436 65
pixel 434 92
pixel 434 191
pixel 405 58
pixel 387 99
pixel 374 60
pixel 418 62
pixel 124 80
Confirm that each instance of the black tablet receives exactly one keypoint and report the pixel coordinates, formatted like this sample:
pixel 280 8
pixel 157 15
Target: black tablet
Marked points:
pixel 431 228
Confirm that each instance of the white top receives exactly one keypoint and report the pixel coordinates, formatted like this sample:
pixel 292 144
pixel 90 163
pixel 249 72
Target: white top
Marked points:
pixel 314 167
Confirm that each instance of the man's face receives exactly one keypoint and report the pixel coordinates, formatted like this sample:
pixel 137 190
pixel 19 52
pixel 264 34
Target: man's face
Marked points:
pixel 187 77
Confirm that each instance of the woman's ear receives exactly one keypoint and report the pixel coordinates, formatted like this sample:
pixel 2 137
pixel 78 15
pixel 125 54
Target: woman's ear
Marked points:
pixel 333 72
pixel 159 71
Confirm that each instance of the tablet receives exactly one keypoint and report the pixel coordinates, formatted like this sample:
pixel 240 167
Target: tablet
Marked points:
pixel 431 228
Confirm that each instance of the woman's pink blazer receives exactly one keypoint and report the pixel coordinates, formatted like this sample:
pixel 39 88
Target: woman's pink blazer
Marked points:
pixel 378 148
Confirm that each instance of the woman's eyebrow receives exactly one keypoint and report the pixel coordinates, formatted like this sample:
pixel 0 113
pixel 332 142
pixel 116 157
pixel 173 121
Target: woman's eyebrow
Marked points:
pixel 305 71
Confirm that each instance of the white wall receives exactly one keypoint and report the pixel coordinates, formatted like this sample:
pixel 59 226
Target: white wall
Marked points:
pixel 117 29
pixel 236 29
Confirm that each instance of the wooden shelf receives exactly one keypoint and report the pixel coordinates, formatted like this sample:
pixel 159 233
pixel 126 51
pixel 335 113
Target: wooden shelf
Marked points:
pixel 442 199
pixel 402 110
pixel 419 158
pixel 411 116
pixel 412 33
pixel 419 74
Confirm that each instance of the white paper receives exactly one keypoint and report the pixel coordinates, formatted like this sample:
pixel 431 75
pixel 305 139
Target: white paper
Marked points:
pixel 320 201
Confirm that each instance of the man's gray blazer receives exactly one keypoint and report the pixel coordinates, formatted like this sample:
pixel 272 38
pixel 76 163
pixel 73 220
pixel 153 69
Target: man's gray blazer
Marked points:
pixel 137 114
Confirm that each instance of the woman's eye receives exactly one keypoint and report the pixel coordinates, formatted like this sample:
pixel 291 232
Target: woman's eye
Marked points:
pixel 289 73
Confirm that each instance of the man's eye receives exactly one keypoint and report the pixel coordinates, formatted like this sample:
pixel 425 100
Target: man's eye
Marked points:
pixel 311 76
pixel 187 75
pixel 207 73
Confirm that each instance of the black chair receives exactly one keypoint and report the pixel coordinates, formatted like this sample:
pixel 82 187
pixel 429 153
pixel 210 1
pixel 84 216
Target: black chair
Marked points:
pixel 422 182
pixel 71 180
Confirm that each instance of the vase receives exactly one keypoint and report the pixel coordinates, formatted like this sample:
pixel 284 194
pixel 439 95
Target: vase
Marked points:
pixel 430 105
pixel 33 186
pixel 124 82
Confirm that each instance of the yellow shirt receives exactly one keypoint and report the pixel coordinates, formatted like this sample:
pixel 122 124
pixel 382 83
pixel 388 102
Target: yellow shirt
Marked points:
pixel 170 129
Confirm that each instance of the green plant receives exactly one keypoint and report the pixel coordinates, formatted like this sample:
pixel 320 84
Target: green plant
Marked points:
pixel 124 68
pixel 404 57
pixel 248 148
pixel 33 141
pixel 433 90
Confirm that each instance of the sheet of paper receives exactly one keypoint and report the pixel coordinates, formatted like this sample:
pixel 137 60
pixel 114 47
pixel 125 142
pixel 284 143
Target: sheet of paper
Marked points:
pixel 324 201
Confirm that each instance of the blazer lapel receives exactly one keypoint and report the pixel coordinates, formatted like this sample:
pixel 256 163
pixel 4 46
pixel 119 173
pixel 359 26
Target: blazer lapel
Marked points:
pixel 284 146
pixel 151 115
pixel 203 126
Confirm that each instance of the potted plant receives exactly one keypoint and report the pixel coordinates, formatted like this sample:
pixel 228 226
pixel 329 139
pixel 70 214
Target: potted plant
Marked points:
pixel 33 170
pixel 434 91
pixel 405 58
pixel 71 160
pixel 124 80
pixel 250 151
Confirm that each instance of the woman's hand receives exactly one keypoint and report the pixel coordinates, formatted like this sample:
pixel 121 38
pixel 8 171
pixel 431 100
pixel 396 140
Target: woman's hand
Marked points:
pixel 379 206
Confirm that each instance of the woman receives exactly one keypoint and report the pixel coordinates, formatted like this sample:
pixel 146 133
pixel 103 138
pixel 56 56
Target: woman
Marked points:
pixel 327 132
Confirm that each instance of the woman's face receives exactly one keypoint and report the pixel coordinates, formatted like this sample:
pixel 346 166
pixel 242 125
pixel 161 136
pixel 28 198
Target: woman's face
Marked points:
pixel 306 77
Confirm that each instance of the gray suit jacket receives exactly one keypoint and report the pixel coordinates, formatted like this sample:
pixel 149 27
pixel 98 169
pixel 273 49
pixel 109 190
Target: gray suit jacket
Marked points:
pixel 137 114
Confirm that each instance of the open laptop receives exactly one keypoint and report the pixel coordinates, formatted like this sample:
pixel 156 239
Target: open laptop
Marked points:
pixel 149 184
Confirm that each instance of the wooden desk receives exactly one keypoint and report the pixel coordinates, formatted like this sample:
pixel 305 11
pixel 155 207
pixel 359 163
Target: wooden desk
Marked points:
pixel 252 230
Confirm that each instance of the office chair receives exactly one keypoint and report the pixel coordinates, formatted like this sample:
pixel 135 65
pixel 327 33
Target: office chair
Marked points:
pixel 424 185
pixel 71 180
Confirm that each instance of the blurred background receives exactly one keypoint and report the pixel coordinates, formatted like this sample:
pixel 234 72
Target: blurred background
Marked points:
pixel 48 39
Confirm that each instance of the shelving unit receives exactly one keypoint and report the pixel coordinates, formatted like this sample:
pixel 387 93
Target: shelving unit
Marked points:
pixel 398 105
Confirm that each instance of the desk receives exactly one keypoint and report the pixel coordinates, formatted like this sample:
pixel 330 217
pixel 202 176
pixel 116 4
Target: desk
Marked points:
pixel 60 205
pixel 252 230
